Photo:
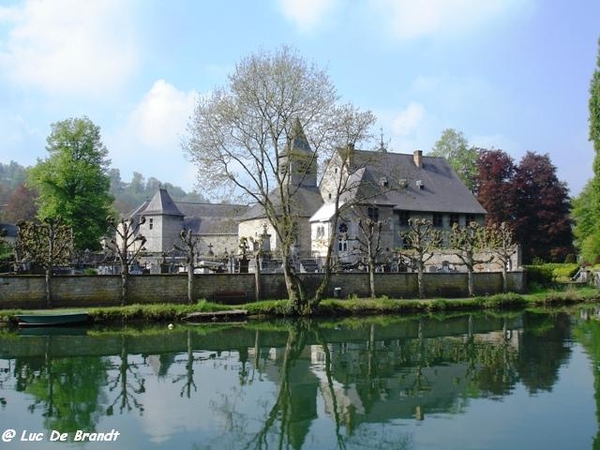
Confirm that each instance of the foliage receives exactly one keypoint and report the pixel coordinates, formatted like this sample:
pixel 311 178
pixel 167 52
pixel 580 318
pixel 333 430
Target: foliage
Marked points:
pixel 453 146
pixel 73 182
pixel 540 276
pixel 47 244
pixel 467 242
pixel 421 240
pixel 586 207
pixel 530 199
pixel 20 205
pixel 126 245
pixel 542 223
pixel 493 185
pixel 129 195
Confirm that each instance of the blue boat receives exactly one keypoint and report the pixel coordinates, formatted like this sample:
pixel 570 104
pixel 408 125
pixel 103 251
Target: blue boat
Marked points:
pixel 52 319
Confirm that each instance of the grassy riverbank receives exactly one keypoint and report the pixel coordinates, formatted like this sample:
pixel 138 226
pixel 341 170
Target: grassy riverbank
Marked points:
pixel 347 307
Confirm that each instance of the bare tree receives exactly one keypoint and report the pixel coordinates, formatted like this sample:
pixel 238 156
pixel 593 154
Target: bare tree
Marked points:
pixel 241 136
pixel 421 240
pixel 369 246
pixel 126 245
pixel 190 246
pixel 48 244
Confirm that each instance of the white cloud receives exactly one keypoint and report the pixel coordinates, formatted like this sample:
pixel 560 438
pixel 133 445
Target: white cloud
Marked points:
pixel 149 139
pixel 409 119
pixel 409 19
pixel 69 46
pixel 307 14
pixel 161 116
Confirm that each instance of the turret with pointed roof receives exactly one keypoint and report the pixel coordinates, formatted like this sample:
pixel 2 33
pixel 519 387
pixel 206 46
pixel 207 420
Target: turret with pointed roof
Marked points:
pixel 164 221
pixel 298 159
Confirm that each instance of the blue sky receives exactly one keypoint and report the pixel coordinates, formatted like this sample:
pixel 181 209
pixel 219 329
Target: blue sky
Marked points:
pixel 509 74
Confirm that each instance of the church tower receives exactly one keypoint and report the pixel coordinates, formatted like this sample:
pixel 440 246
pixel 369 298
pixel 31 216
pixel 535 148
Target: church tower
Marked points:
pixel 298 162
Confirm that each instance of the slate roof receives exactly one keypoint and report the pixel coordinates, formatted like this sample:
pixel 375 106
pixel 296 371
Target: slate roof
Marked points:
pixel 433 187
pixel 211 218
pixel 201 218
pixel 305 202
pixel 161 204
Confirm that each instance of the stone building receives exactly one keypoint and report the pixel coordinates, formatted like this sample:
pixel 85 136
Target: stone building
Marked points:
pixel 215 226
pixel 389 188
pixel 384 187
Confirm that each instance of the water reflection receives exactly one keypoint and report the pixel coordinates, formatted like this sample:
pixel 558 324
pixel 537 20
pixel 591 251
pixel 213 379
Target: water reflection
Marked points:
pixel 304 384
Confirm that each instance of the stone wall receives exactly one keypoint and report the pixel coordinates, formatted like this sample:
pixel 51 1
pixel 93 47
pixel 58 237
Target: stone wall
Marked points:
pixel 28 291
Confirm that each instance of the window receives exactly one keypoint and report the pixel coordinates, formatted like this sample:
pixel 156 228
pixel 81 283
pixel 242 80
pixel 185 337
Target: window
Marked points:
pixel 454 220
pixel 471 218
pixel 403 218
pixel 373 214
pixel 438 220
pixel 342 245
pixel 150 224
pixel 343 228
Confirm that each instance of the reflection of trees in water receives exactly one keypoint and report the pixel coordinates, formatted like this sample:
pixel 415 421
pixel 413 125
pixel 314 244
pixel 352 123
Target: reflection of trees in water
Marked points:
pixel 128 383
pixel 545 347
pixel 588 333
pixel 65 390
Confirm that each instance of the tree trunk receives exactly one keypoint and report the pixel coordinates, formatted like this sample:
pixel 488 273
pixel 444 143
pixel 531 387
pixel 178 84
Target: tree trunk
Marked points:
pixel 372 277
pixel 123 285
pixel 48 276
pixel 420 281
pixel 257 293
pixel 470 282
pixel 190 282
pixel 504 279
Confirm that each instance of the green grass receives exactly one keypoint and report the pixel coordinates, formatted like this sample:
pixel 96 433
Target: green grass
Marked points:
pixel 333 308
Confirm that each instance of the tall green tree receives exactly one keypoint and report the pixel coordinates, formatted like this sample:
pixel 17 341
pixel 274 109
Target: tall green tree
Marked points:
pixel 586 208
pixel 73 180
pixel 453 146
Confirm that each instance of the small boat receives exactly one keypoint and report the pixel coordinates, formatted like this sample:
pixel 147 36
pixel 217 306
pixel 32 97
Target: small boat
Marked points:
pixel 51 319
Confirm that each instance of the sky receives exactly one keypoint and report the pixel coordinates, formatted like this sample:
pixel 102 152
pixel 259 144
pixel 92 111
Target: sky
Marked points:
pixel 509 74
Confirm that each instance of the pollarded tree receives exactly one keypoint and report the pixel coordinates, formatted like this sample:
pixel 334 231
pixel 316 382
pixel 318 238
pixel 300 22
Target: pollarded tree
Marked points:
pixel 47 244
pixel 421 240
pixel 73 181
pixel 541 224
pixel 500 241
pixel 241 139
pixel 468 243
pixel 453 146
pixel 368 240
pixel 126 245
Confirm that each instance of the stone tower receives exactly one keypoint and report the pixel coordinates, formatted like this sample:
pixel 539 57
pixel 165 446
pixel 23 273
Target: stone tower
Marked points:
pixel 164 222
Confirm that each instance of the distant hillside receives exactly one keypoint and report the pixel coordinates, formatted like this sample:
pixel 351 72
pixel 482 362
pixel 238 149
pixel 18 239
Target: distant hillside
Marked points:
pixel 128 195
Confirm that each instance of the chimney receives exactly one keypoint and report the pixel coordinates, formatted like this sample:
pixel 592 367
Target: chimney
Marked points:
pixel 418 158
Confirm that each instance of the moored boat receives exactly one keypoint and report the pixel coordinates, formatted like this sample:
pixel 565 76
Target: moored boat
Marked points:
pixel 51 319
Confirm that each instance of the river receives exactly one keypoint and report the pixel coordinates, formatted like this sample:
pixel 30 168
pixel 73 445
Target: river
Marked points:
pixel 469 381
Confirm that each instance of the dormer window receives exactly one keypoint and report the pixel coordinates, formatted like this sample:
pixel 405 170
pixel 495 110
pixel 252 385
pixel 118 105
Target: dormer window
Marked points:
pixel 384 182
pixel 420 184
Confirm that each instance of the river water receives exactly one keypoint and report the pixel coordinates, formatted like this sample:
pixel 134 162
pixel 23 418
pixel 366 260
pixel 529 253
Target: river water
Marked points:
pixel 514 381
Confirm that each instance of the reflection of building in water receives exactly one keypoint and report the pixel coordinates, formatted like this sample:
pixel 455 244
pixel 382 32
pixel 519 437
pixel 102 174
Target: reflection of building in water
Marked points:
pixel 379 381
pixel 298 388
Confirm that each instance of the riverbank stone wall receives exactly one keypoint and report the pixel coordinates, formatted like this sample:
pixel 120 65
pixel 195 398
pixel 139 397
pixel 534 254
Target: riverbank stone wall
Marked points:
pixel 28 291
